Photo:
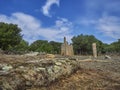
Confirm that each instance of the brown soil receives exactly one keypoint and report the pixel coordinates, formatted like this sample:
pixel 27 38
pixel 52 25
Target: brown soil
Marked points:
pixel 85 80
pixel 93 74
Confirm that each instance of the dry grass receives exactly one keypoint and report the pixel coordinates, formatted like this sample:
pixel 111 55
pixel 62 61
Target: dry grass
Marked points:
pixel 93 75
pixel 84 80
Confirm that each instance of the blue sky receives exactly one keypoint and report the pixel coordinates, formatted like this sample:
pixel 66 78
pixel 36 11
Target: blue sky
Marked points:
pixel 54 19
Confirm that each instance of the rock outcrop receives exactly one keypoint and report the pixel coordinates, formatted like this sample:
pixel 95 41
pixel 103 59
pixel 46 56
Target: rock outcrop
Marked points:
pixel 29 73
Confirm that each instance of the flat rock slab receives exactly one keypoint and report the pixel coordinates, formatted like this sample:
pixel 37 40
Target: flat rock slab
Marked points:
pixel 35 73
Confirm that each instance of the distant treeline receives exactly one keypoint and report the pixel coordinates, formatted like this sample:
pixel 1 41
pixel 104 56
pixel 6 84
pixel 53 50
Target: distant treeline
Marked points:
pixel 11 40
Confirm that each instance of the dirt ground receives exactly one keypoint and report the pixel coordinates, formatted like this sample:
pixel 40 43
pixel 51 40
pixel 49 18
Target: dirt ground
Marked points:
pixel 97 74
pixel 85 80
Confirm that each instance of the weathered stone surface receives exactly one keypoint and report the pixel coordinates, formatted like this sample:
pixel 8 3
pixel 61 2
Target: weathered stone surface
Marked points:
pixel 94 50
pixel 107 57
pixel 66 50
pixel 58 63
pixel 7 67
pixel 40 72
pixel 50 56
pixel 32 54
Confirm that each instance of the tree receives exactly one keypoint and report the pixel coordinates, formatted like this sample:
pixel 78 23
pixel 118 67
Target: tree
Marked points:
pixel 82 44
pixel 45 46
pixel 37 44
pixel 23 46
pixel 9 35
pixel 41 46
pixel 56 47
pixel 115 47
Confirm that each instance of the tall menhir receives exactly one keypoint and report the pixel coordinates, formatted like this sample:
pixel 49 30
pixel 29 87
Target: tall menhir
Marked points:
pixel 66 49
pixel 94 50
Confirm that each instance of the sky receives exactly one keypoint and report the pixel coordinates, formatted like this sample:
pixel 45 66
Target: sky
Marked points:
pixel 53 19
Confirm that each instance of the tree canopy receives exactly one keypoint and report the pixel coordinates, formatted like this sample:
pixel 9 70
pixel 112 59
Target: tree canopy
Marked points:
pixel 9 35
pixel 56 47
pixel 113 47
pixel 45 46
pixel 82 44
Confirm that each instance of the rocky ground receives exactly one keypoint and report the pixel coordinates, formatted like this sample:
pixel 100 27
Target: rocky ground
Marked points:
pixel 21 72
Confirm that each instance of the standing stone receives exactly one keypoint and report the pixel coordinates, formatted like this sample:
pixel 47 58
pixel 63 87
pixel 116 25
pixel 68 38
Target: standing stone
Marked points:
pixel 65 46
pixel 66 50
pixel 94 50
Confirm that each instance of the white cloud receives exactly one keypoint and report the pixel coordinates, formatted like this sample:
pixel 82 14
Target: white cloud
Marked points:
pixel 32 29
pixel 64 25
pixel 47 6
pixel 110 26
pixel 107 25
pixel 93 6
